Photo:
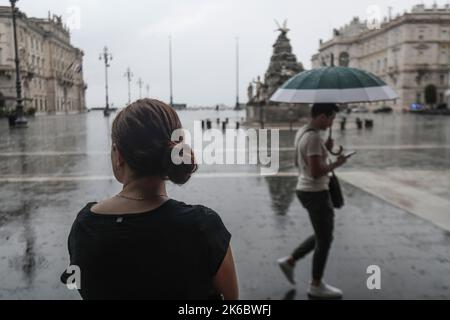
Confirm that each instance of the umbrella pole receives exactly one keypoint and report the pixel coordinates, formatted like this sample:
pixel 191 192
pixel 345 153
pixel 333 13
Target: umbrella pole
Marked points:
pixel 341 148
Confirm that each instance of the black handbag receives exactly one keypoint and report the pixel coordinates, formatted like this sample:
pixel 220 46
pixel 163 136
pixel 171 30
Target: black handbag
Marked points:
pixel 337 198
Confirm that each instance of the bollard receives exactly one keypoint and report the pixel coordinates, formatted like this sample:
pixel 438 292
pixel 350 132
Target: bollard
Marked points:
pixel 359 123
pixel 12 120
pixel 343 123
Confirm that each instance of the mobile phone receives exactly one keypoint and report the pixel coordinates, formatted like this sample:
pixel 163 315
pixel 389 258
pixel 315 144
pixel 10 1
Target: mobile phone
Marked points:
pixel 348 155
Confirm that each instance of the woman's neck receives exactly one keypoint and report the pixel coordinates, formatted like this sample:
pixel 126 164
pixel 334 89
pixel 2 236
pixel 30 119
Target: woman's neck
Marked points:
pixel 145 187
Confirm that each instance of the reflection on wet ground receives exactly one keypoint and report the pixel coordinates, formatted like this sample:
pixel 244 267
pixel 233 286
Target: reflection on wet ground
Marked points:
pixel 49 171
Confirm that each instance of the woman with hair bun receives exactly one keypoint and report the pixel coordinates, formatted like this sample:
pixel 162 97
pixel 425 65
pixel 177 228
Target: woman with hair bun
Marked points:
pixel 140 244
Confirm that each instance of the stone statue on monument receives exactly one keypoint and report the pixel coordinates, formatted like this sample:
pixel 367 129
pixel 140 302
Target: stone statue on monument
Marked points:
pixel 258 93
pixel 250 92
pixel 282 28
pixel 264 92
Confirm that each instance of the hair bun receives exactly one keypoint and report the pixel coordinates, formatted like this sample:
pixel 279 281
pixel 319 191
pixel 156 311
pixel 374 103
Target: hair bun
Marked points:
pixel 180 173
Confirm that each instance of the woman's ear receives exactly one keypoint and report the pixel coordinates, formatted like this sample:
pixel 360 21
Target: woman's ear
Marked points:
pixel 119 159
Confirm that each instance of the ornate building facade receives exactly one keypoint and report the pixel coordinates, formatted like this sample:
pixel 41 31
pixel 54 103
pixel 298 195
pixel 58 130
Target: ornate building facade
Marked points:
pixel 409 52
pixel 51 68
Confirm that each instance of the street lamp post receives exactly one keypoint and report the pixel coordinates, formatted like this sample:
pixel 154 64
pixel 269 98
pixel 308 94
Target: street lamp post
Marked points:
pixel 106 57
pixel 291 117
pixel 140 83
pixel 170 71
pixel 129 76
pixel 18 118
pixel 237 107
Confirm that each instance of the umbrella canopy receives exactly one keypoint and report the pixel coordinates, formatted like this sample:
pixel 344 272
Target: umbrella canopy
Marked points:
pixel 334 85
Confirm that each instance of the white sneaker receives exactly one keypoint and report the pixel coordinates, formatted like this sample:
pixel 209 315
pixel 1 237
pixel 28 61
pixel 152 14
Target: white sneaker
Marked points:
pixel 324 291
pixel 287 268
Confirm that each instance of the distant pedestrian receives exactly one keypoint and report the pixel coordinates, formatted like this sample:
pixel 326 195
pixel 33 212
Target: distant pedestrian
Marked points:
pixel 311 157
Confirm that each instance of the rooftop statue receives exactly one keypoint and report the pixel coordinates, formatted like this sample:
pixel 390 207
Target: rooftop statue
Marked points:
pixel 283 29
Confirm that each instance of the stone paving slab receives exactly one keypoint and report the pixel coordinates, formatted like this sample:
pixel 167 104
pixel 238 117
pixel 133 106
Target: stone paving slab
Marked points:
pixel 410 194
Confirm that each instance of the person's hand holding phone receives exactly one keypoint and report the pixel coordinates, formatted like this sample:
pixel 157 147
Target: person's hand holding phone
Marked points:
pixel 349 154
pixel 340 160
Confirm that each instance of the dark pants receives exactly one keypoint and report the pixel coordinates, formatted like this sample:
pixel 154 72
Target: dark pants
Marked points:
pixel 321 214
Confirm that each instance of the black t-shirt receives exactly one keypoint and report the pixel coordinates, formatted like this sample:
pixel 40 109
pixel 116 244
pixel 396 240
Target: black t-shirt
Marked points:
pixel 171 252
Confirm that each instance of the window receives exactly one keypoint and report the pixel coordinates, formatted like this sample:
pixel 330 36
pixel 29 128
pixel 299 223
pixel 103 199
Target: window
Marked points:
pixel 344 59
pixel 419 97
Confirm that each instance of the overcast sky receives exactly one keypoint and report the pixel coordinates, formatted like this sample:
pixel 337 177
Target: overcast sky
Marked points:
pixel 203 32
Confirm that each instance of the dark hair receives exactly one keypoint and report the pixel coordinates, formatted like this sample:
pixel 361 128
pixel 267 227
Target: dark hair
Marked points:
pixel 142 133
pixel 323 108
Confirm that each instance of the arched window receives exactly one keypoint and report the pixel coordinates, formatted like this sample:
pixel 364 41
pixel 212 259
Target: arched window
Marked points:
pixel 430 94
pixel 2 101
pixel 344 59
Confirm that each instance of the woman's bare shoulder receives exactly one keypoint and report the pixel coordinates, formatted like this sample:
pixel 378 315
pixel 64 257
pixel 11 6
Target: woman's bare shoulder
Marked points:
pixel 106 206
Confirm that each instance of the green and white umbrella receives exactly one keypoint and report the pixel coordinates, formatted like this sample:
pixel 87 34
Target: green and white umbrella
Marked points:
pixel 334 85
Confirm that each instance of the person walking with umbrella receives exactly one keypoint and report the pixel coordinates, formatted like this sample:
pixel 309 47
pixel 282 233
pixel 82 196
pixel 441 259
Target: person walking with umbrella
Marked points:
pixel 312 191
pixel 324 88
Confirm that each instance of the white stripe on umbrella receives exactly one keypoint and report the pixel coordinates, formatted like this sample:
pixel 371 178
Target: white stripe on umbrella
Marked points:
pixel 334 95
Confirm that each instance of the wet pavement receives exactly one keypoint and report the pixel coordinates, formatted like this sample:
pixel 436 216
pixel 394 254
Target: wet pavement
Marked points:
pixel 49 171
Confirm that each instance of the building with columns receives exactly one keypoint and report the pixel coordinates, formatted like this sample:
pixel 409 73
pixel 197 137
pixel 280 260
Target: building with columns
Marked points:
pixel 51 68
pixel 410 52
